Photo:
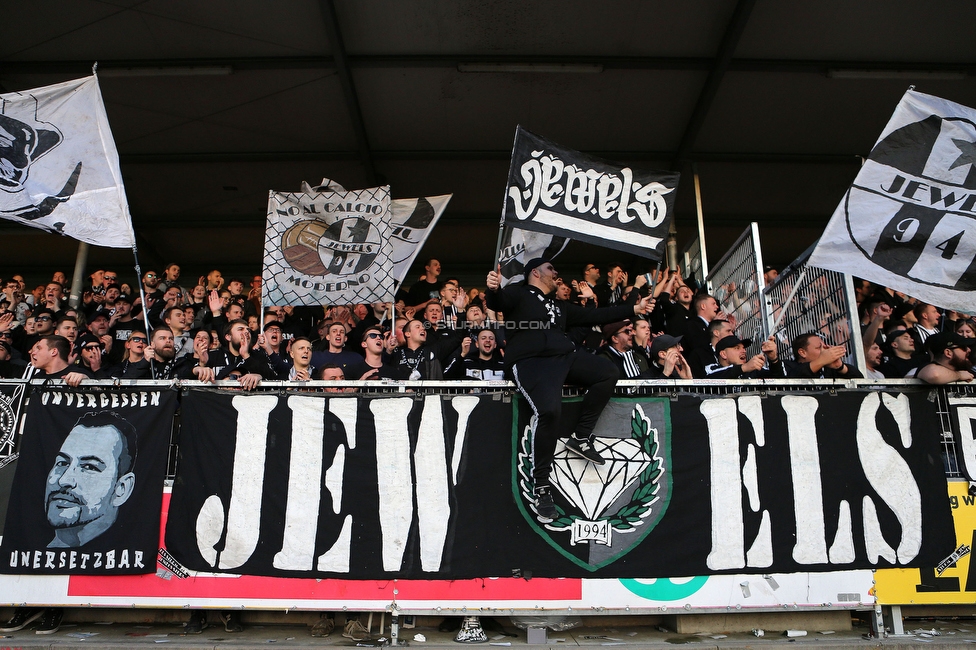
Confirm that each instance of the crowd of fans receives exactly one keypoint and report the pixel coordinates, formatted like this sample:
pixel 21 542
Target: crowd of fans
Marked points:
pixel 217 329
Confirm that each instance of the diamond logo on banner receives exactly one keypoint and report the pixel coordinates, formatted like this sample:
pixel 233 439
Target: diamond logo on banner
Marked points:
pixel 604 510
pixel 594 488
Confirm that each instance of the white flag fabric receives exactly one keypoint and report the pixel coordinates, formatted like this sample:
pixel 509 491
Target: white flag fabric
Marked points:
pixel 413 221
pixel 328 248
pixel 519 246
pixel 909 220
pixel 59 168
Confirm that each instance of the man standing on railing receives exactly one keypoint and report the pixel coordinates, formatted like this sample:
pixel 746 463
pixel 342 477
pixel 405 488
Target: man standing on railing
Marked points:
pixel 815 359
pixel 541 358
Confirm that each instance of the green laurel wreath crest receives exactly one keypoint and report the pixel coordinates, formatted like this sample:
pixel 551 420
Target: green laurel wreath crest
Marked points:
pixel 623 520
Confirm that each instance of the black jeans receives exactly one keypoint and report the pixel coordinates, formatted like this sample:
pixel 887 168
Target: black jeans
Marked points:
pixel 541 379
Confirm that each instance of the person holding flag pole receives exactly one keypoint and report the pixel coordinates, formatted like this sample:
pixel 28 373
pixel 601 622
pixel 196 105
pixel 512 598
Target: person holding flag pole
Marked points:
pixel 541 358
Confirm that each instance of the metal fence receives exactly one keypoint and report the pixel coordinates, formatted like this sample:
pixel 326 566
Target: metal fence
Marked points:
pixel 736 281
pixel 806 299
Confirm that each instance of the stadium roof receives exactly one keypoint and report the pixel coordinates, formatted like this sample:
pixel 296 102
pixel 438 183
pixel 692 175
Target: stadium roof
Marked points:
pixel 214 103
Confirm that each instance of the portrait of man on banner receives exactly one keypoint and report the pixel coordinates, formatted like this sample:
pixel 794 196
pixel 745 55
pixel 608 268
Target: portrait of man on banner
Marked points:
pixel 87 494
pixel 91 479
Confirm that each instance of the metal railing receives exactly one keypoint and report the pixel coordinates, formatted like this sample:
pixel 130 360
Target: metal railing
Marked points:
pixel 736 281
pixel 505 390
pixel 807 299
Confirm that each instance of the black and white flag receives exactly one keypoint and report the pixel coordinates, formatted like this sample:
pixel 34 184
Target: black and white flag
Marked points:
pixel 331 247
pixel 413 220
pixel 519 246
pixel 88 490
pixel 565 193
pixel 59 168
pixel 909 220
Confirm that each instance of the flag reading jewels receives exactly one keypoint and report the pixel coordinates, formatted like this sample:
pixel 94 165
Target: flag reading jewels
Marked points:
pixel 59 168
pixel 565 193
pixel 328 248
pixel 908 221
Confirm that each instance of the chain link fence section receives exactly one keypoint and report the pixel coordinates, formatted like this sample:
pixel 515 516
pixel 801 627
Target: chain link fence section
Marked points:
pixel 807 299
pixel 736 281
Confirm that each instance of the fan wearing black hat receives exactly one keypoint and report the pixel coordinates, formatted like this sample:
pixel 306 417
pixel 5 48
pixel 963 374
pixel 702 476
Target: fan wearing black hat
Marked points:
pixel 903 359
pixel 667 360
pixel 950 360
pixel 619 338
pixel 541 358
pixel 733 361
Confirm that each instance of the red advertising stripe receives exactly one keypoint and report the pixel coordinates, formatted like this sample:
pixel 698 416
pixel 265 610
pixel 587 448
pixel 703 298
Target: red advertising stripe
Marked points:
pixel 268 588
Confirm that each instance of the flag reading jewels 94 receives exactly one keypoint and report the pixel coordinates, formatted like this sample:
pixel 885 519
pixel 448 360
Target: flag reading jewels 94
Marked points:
pixel 563 192
pixel 908 221
pixel 328 248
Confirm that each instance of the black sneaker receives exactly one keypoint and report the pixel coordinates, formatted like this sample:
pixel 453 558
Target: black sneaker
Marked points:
pixel 584 449
pixel 50 622
pixel 232 622
pixel 23 616
pixel 545 509
pixel 197 622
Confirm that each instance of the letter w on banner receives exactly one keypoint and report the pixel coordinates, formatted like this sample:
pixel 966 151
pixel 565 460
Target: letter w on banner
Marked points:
pixel 59 169
pixel 328 248
pixel 909 219
pixel 565 193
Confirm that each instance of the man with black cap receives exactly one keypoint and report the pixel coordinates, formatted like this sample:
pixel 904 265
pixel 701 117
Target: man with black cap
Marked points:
pixel 903 359
pixel 619 338
pixel 733 361
pixel 950 359
pixel 541 358
pixel 667 362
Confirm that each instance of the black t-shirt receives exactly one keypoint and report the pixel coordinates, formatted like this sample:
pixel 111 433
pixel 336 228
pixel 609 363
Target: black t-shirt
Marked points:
pixel 424 291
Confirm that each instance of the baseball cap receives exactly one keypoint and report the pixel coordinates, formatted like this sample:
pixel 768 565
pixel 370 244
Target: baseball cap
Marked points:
pixel 731 342
pixel 664 342
pixel 87 339
pixel 947 341
pixel 534 263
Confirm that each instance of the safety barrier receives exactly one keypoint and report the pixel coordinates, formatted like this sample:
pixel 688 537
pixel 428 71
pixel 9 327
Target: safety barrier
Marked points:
pixel 13 391
pixel 806 299
pixel 736 281
pixel 845 589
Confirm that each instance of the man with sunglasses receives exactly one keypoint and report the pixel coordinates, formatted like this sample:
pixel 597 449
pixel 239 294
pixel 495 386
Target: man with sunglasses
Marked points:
pixel 376 344
pixel 44 323
pixel 133 364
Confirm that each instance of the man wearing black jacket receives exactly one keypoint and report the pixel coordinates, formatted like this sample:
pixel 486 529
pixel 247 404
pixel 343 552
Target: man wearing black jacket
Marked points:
pixel 541 358
pixel 420 358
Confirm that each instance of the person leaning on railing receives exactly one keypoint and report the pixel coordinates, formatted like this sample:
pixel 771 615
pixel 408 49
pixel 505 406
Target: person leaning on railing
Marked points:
pixel 950 359
pixel 815 359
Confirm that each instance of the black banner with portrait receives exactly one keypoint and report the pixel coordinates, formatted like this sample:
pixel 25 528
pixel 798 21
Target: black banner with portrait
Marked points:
pixel 88 489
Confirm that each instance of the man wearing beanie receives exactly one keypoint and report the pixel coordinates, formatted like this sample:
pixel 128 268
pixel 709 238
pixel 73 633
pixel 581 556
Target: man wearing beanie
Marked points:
pixel 541 358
